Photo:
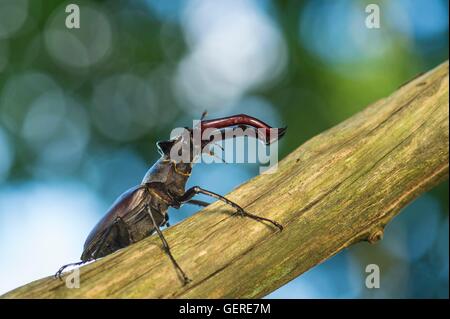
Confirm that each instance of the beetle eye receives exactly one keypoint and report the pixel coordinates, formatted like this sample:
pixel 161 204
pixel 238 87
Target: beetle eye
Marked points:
pixel 164 147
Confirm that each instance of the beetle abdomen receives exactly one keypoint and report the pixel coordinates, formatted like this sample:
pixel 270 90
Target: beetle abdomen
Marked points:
pixel 126 222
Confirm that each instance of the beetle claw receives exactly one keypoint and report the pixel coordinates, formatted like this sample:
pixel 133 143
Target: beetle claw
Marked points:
pixel 57 275
pixel 186 280
pixel 280 227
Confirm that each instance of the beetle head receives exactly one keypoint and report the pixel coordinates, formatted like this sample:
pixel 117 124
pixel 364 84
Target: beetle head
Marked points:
pixel 261 130
pixel 183 148
pixel 164 147
pixel 179 148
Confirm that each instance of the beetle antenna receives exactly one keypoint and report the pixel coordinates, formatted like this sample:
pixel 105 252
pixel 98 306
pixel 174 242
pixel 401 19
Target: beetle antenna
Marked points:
pixel 220 146
pixel 211 153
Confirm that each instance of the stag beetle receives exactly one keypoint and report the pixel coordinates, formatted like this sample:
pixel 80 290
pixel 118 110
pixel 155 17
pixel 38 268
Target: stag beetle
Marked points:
pixel 142 210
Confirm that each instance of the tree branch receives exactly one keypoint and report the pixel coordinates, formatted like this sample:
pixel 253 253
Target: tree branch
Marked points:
pixel 341 187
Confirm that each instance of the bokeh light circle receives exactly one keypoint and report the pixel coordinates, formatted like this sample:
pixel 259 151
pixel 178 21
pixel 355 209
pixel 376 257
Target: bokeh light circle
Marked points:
pixel 13 14
pixel 6 155
pixel 235 47
pixel 124 107
pixel 4 55
pixel 83 47
pixel 19 92
pixel 56 128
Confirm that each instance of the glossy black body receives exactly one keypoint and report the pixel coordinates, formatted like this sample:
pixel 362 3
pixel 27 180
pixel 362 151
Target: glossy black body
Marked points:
pixel 142 210
pixel 161 187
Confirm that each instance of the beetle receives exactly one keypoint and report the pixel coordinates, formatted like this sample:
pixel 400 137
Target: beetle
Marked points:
pixel 142 210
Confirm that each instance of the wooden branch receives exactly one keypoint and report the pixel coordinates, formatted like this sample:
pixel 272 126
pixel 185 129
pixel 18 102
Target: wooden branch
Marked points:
pixel 341 187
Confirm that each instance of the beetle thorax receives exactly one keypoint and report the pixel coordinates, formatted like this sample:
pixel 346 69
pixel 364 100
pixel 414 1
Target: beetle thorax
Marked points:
pixel 176 183
pixel 174 175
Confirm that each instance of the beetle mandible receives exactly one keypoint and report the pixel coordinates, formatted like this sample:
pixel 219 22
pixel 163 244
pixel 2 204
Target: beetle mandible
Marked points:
pixel 142 210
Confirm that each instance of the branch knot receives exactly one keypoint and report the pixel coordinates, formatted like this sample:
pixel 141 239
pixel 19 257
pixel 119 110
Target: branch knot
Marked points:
pixel 376 235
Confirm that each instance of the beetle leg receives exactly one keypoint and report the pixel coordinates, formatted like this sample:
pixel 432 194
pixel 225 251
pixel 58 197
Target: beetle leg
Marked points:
pixel 123 227
pixel 197 202
pixel 59 272
pixel 166 221
pixel 191 192
pixel 166 246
